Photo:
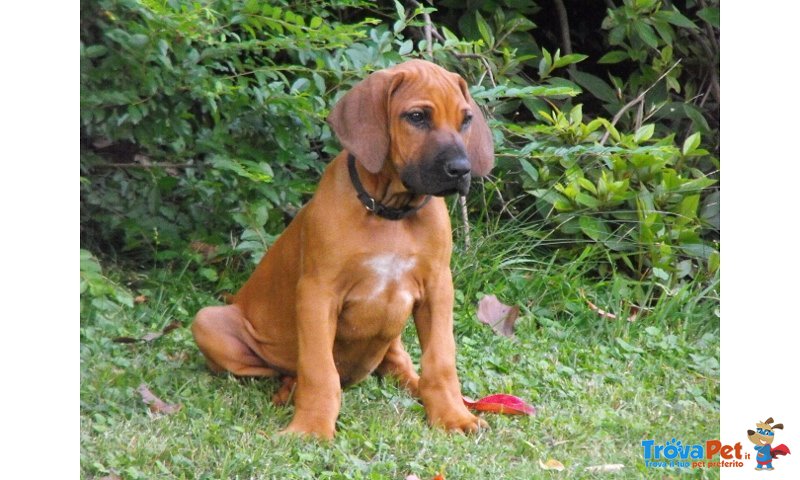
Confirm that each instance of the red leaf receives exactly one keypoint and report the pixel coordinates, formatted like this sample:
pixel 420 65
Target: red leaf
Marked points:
pixel 156 404
pixel 499 316
pixel 501 403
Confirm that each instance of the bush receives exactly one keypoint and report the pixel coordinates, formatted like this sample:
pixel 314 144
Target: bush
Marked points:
pixel 205 120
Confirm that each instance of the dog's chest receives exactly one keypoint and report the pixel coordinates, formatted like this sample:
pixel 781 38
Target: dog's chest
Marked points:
pixel 381 299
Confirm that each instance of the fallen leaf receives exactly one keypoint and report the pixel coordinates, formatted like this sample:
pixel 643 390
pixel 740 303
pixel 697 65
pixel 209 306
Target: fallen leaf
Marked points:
pixel 609 468
pixel 499 316
pixel 500 403
pixel 140 299
pixel 110 477
pixel 552 465
pixel 439 476
pixel 156 404
pixel 149 337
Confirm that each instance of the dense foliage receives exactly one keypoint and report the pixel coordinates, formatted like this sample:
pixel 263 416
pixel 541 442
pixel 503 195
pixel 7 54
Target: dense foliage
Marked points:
pixel 204 121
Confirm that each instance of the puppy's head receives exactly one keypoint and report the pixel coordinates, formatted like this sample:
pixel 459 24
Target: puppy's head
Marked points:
pixel 764 433
pixel 418 121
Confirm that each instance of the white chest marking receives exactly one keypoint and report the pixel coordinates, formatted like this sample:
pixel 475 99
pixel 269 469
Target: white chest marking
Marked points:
pixel 388 268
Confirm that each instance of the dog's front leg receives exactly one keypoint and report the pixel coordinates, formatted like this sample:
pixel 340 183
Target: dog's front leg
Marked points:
pixel 439 387
pixel 318 394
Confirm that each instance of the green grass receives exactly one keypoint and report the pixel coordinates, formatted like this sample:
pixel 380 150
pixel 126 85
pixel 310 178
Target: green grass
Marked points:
pixel 601 386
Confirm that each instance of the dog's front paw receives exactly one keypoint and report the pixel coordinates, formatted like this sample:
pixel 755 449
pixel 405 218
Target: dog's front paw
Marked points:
pixel 308 431
pixel 458 420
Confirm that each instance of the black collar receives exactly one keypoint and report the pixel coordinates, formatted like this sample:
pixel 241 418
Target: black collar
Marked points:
pixel 379 209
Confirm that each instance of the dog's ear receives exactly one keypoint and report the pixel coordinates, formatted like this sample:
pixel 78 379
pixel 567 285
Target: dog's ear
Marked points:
pixel 361 118
pixel 779 426
pixel 480 145
pixel 769 420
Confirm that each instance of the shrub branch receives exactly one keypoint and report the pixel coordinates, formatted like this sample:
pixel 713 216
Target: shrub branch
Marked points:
pixel 639 98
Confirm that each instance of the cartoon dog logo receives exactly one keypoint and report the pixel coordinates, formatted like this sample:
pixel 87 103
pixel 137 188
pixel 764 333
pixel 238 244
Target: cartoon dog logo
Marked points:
pixel 763 437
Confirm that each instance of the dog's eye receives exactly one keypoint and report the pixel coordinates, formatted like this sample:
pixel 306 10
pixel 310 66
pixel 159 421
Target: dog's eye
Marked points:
pixel 417 118
pixel 467 120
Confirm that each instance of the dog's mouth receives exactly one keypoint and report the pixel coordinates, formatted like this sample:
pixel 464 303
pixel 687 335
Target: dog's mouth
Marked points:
pixel 422 182
pixel 461 188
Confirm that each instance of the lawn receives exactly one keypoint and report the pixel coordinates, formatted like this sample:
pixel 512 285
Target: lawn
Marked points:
pixel 601 386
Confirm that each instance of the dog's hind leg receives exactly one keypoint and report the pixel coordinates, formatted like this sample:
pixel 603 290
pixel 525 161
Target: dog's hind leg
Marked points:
pixel 221 334
pixel 397 363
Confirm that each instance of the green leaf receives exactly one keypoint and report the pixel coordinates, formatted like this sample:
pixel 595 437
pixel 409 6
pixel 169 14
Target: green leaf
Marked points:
pixel 698 250
pixel 644 133
pixel 209 274
pixel 710 15
pixel 587 201
pixel 660 274
pixel 628 347
pixel 594 228
pixel 678 19
pixel 483 27
pixel 93 51
pixel 406 47
pixel 587 184
pixel 687 209
pixel 691 143
pixel 299 85
pixel 315 23
pixel 713 262
pixel 401 11
pixel 529 169
pixel 696 115
pixel 545 64
pixel 596 86
pixel 646 33
pixel 614 56
pixel 139 40
pixel 550 196
pixel 576 114
pixel 569 59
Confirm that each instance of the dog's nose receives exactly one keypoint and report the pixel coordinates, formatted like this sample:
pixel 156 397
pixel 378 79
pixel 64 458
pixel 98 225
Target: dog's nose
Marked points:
pixel 457 167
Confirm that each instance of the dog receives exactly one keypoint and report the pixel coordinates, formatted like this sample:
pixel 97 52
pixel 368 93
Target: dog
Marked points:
pixel 327 304
pixel 762 438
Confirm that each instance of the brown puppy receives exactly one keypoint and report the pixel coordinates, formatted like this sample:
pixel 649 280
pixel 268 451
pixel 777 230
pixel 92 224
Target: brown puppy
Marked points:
pixel 328 302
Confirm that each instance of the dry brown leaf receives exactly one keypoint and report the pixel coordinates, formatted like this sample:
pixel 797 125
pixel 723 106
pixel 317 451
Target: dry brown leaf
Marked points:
pixel 499 316
pixel 156 404
pixel 608 468
pixel 552 464
pixel 139 299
